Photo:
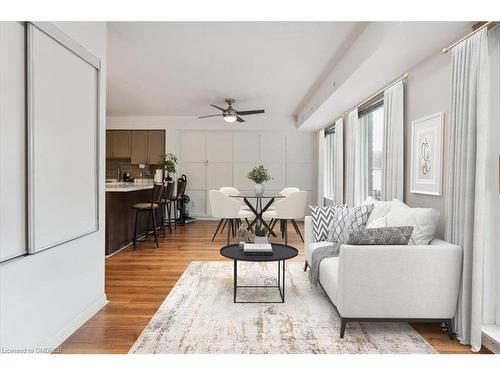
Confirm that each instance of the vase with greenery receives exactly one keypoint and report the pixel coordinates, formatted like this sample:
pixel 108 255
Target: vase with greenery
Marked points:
pixel 168 163
pixel 259 175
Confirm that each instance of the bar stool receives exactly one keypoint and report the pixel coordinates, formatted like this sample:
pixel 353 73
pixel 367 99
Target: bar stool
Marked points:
pixel 179 199
pixel 166 204
pixel 150 208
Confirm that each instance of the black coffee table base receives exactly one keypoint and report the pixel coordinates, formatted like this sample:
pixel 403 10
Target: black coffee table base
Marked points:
pixel 280 286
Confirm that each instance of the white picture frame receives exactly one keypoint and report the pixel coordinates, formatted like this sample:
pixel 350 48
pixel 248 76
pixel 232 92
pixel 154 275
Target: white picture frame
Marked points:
pixel 427 136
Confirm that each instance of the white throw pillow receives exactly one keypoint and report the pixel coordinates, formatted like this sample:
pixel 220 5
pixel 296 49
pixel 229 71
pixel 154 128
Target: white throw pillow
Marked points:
pixel 381 222
pixel 380 208
pixel 423 220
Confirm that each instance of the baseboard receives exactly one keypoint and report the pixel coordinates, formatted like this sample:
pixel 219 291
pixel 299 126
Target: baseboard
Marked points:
pixel 56 340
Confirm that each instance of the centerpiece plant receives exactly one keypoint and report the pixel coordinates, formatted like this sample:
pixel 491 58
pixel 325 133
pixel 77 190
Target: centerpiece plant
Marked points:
pixel 258 175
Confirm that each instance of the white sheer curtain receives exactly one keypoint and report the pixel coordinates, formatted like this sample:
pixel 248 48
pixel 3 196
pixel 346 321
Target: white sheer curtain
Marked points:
pixel 393 144
pixel 361 160
pixel 356 172
pixel 466 204
pixel 322 171
pixel 338 163
pixel 491 151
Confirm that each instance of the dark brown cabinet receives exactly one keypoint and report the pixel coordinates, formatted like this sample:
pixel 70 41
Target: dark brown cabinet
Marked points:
pixel 156 146
pixel 139 153
pixel 140 146
pixel 118 144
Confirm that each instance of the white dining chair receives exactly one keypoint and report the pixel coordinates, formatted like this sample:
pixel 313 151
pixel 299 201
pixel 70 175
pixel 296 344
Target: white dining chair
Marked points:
pixel 285 192
pixel 289 190
pixel 231 191
pixel 292 207
pixel 229 211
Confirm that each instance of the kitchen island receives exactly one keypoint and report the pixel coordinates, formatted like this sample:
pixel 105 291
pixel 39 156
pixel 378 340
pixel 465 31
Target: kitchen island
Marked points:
pixel 120 217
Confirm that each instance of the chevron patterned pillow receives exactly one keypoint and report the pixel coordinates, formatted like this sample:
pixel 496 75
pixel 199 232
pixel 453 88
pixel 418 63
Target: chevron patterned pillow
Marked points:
pixel 322 217
pixel 348 220
pixel 381 236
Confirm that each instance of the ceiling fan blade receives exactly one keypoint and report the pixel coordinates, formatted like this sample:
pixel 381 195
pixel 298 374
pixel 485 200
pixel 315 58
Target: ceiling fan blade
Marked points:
pixel 219 108
pixel 240 119
pixel 244 113
pixel 210 116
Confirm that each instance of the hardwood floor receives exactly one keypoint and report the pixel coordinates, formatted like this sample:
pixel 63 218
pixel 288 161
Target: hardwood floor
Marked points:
pixel 138 281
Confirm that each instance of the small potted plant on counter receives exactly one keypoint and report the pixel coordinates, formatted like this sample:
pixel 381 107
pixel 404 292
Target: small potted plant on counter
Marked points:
pixel 259 175
pixel 168 163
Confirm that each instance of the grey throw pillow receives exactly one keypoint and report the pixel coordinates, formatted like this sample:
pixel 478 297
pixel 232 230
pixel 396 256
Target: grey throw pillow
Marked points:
pixel 321 219
pixel 347 220
pixel 381 236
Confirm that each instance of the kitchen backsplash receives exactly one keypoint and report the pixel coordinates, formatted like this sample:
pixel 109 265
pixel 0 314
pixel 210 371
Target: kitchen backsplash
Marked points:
pixel 125 165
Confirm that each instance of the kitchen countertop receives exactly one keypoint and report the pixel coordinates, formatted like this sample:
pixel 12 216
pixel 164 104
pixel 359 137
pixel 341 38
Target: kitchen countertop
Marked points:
pixel 123 187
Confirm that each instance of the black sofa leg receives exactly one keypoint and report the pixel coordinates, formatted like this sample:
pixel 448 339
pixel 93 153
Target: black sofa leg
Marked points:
pixel 343 324
pixel 449 329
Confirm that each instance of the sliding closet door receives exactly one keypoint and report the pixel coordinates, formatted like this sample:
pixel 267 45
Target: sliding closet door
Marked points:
pixel 63 134
pixel 12 141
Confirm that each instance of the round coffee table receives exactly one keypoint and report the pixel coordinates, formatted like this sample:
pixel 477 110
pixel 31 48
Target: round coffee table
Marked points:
pixel 280 254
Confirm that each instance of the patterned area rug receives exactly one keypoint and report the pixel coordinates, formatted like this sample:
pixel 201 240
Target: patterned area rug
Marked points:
pixel 199 316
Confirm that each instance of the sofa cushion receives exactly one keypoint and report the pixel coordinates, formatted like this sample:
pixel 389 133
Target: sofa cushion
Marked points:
pixel 381 222
pixel 321 219
pixel 423 220
pixel 347 220
pixel 314 246
pixel 381 236
pixel 380 208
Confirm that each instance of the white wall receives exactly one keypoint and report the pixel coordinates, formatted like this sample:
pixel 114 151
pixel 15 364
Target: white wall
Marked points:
pixel 427 91
pixel 299 147
pixel 45 297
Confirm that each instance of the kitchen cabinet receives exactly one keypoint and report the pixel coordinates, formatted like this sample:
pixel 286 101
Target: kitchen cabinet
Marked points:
pixel 156 146
pixel 118 144
pixel 139 153
pixel 147 146
pixel 140 146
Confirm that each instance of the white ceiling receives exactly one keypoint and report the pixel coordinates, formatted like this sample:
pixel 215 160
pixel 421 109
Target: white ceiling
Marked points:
pixel 178 68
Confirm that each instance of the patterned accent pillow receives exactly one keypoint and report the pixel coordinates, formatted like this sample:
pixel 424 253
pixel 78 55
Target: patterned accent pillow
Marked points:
pixel 347 220
pixel 381 222
pixel 321 219
pixel 381 236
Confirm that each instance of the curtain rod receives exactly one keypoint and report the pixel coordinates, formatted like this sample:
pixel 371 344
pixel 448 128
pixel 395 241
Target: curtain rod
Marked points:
pixel 386 87
pixel 487 24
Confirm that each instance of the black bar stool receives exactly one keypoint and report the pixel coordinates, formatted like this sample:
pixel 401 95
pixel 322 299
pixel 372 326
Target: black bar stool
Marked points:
pixel 166 204
pixel 179 198
pixel 150 208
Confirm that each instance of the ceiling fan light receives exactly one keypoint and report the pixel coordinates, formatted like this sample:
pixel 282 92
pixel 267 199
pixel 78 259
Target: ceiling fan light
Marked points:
pixel 230 117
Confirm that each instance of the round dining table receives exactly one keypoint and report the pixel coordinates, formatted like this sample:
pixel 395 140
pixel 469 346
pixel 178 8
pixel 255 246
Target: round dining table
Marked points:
pixel 258 210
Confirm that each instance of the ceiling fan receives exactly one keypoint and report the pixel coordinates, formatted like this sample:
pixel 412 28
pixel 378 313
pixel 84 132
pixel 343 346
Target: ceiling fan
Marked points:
pixel 232 115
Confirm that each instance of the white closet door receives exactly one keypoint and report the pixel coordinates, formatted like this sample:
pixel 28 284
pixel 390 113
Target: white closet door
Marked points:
pixel 63 132
pixel 193 147
pixel 12 141
pixel 219 147
pixel 273 148
pixel 219 175
pixel 246 147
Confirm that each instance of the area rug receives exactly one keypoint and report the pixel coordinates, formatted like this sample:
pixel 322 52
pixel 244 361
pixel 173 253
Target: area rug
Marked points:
pixel 199 316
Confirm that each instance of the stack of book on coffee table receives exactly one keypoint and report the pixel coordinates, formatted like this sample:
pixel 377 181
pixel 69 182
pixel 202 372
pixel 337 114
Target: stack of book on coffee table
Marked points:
pixel 258 249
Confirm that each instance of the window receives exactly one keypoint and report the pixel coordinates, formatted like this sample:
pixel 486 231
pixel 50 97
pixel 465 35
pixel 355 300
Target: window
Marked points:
pixel 329 172
pixel 374 120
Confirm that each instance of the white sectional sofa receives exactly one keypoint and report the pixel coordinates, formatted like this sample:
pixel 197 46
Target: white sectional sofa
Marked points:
pixel 390 283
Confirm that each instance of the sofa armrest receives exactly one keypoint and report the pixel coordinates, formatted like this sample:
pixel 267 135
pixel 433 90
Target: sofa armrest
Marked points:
pixel 308 234
pixel 419 281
